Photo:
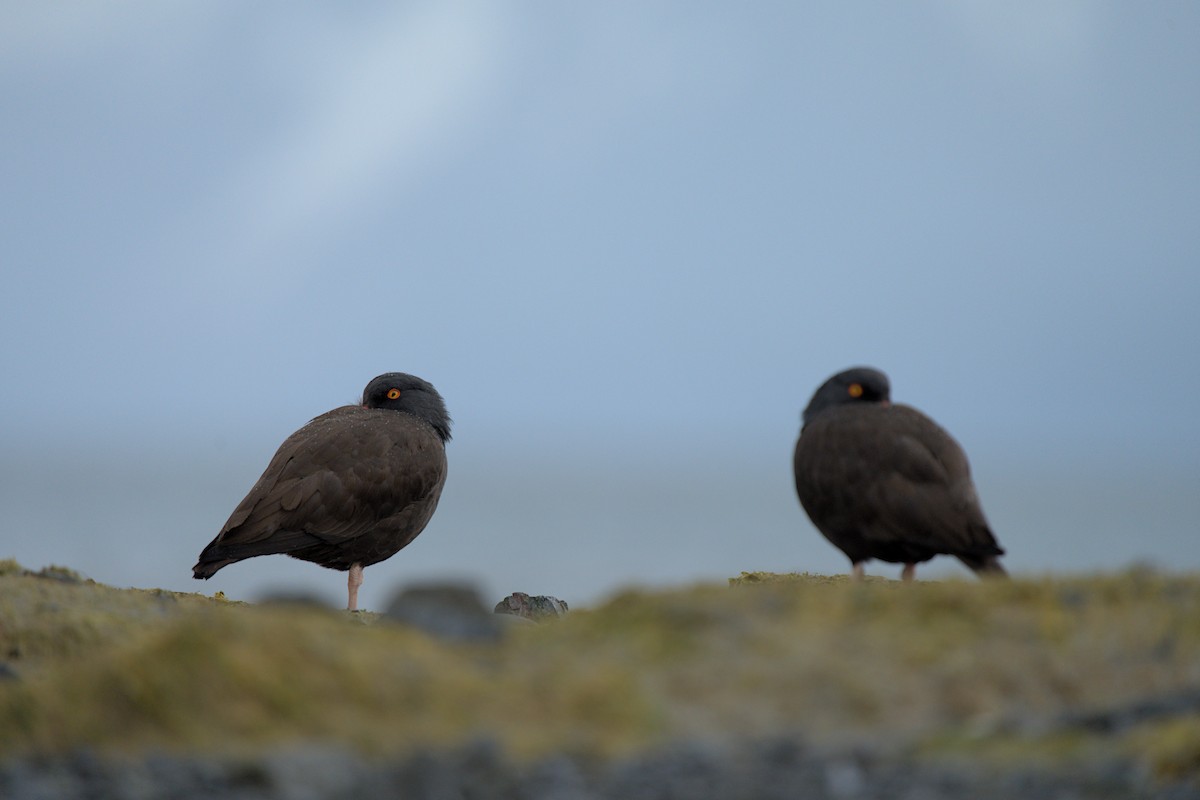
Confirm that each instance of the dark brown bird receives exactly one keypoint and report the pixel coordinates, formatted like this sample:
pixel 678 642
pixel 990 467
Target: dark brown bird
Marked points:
pixel 351 488
pixel 885 481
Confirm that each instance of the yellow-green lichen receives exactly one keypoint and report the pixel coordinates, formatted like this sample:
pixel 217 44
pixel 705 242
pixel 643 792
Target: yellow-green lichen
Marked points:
pixel 1170 746
pixel 947 667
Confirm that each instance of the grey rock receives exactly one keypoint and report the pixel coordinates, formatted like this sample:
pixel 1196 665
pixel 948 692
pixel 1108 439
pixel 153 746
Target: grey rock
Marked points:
pixel 313 772
pixel 452 611
pixel 558 778
pixel 532 607
pixel 779 768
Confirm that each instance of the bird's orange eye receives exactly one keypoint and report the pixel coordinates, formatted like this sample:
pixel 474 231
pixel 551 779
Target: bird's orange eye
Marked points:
pixel 855 390
pixel 393 394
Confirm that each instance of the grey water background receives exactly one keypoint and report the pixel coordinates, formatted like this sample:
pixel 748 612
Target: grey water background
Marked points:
pixel 626 242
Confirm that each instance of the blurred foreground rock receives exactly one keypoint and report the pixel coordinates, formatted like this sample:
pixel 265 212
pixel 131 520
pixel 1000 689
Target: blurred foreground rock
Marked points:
pixel 452 611
pixel 455 611
pixel 770 769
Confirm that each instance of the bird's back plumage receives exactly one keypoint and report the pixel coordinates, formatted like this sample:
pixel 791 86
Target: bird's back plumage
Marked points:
pixel 351 488
pixel 885 481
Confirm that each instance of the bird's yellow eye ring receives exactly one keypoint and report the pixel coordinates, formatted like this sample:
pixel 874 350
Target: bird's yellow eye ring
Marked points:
pixel 854 390
pixel 393 394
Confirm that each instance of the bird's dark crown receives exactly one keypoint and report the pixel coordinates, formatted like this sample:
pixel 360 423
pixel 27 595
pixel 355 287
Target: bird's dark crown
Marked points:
pixel 856 385
pixel 399 391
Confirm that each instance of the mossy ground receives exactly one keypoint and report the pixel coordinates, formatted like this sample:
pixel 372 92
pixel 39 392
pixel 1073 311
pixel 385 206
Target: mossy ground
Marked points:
pixel 998 670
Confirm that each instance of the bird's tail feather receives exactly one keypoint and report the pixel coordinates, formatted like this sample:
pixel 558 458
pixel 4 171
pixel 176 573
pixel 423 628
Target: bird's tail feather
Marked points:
pixel 985 566
pixel 207 568
pixel 221 553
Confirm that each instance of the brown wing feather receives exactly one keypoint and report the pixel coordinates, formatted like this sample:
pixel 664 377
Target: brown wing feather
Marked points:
pixel 887 482
pixel 924 488
pixel 353 485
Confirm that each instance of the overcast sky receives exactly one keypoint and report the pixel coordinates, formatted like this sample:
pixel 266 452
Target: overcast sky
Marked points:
pixel 615 236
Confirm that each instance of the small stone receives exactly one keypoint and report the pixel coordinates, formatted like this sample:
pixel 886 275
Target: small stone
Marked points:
pixel 536 608
pixel 844 778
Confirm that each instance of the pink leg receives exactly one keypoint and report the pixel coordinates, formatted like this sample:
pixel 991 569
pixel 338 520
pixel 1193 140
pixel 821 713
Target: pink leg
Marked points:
pixel 354 581
pixel 858 572
pixel 909 572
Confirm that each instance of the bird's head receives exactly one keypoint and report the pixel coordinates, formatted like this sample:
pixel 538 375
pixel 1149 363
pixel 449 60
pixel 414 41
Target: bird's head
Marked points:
pixel 398 391
pixel 853 386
